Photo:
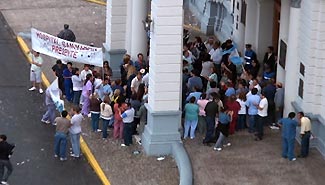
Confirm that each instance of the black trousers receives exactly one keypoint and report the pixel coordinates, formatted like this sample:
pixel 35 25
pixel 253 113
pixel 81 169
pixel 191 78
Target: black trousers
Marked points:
pixel 260 126
pixel 127 133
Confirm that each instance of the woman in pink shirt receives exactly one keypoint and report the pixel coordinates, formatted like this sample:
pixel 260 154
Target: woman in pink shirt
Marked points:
pixel 202 102
pixel 118 122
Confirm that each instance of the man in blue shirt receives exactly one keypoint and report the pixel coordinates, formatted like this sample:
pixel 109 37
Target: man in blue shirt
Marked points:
pixel 288 126
pixel 250 55
pixel 252 101
pixel 128 118
pixel 230 90
pixel 193 81
pixel 104 89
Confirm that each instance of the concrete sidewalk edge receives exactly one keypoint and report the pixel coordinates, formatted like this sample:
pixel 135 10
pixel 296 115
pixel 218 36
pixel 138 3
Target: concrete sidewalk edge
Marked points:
pixel 83 145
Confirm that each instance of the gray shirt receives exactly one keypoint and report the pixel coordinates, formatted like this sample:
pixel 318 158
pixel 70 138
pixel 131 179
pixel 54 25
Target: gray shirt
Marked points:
pixel 279 97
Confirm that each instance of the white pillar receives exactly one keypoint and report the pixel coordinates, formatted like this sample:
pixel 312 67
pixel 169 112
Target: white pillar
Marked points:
pixel 115 34
pixel 283 35
pixel 164 113
pixel 128 40
pixel 291 68
pixel 251 21
pixel 139 37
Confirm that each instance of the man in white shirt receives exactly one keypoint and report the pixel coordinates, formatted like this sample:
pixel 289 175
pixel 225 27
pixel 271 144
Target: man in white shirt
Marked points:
pixel 128 118
pixel 145 79
pixel 36 71
pixel 136 82
pixel 85 71
pixel 216 53
pixel 261 117
pixel 75 131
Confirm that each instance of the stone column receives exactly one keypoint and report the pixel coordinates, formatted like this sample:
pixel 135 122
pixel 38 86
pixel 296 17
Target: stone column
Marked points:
pixel 164 113
pixel 114 47
pixel 251 21
pixel 128 37
pixel 291 68
pixel 139 36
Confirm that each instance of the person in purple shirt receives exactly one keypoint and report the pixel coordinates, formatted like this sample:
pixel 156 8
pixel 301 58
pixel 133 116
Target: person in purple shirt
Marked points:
pixel 86 92
pixel 251 103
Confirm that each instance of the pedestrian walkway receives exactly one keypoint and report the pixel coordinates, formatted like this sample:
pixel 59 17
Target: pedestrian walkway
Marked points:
pixel 252 162
pixel 20 114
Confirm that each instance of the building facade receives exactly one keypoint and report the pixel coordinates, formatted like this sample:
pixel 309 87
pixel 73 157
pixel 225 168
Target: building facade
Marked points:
pixel 296 29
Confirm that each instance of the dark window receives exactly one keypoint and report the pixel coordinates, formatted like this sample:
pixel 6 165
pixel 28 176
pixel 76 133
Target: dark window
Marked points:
pixel 301 88
pixel 237 18
pixel 302 69
pixel 283 54
pixel 237 5
pixel 236 26
pixel 243 12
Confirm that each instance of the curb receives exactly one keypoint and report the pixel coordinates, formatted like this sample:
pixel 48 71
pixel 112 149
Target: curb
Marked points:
pixel 83 145
pixel 97 2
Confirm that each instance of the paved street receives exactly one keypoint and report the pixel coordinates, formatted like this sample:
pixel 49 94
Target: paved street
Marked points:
pixel 20 114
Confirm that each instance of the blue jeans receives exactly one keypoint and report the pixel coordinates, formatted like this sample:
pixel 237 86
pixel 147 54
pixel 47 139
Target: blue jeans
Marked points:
pixel 127 133
pixel 305 144
pixel 5 164
pixel 76 97
pixel 220 141
pixel 94 121
pixel 50 113
pixel 241 121
pixel 288 147
pixel 252 123
pixel 75 142
pixel 210 128
pixel 190 124
pixel 105 125
pixel 60 144
pixel 68 89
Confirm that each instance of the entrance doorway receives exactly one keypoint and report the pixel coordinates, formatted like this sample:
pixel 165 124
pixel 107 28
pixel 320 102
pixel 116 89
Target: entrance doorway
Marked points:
pixel 276 24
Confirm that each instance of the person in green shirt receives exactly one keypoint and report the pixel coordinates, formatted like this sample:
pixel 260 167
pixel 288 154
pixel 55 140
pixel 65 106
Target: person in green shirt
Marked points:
pixel 191 117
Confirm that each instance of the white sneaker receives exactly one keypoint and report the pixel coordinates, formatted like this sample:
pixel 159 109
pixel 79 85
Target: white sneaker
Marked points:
pixel 98 130
pixel 217 149
pixel 56 156
pixel 41 91
pixel 228 144
pixel 4 182
pixel 63 159
pixel 123 145
pixel 293 159
pixel 31 89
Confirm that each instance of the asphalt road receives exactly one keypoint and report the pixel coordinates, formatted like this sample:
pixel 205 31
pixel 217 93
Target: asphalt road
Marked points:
pixel 20 115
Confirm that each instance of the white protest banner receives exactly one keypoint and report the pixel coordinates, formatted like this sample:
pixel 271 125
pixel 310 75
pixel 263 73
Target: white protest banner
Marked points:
pixel 65 50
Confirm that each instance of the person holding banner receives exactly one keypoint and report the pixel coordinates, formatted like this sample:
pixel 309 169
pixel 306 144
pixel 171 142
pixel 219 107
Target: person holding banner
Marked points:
pixel 35 70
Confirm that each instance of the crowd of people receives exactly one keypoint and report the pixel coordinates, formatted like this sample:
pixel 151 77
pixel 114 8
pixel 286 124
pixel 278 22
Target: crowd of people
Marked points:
pixel 225 92
pixel 222 92
pixel 117 104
